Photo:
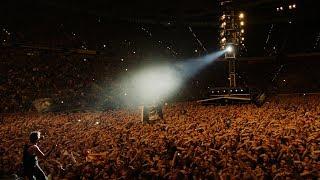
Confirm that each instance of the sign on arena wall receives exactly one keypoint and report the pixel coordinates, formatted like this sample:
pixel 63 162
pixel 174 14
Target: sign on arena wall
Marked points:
pixel 43 104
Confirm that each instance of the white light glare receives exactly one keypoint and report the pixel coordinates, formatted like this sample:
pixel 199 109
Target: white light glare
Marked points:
pixel 155 83
pixel 229 49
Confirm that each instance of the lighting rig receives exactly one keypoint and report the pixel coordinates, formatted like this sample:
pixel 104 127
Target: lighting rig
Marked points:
pixel 232 23
pixel 232 42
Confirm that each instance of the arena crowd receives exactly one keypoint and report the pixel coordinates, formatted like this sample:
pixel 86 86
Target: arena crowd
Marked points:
pixel 71 79
pixel 280 140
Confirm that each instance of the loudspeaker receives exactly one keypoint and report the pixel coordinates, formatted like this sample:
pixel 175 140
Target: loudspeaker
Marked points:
pixel 260 99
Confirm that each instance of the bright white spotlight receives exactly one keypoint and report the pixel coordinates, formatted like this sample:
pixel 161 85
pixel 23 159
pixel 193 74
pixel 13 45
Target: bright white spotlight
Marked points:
pixel 229 49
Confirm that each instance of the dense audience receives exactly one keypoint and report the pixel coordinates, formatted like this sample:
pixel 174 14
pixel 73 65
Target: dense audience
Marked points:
pixel 69 80
pixel 72 79
pixel 278 140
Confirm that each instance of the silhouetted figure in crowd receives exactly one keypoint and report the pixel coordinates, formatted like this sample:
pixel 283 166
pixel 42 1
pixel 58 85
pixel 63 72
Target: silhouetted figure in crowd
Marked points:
pixel 31 153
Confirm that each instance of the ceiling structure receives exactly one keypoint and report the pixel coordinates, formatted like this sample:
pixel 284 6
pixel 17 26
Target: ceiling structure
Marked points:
pixel 294 32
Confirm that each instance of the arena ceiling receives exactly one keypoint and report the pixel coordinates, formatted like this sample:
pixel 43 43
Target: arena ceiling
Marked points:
pixel 180 11
pixel 176 16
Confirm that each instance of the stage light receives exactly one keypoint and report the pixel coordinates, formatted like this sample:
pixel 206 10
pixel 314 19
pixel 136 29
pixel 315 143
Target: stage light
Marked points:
pixel 242 38
pixel 241 15
pixel 157 82
pixel 294 6
pixel 242 23
pixel 242 30
pixel 278 9
pixel 229 49
pixel 281 8
pixel 122 59
pixel 290 6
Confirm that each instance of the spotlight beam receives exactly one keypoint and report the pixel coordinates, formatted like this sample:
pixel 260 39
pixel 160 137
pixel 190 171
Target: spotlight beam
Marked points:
pixel 191 67
pixel 152 84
